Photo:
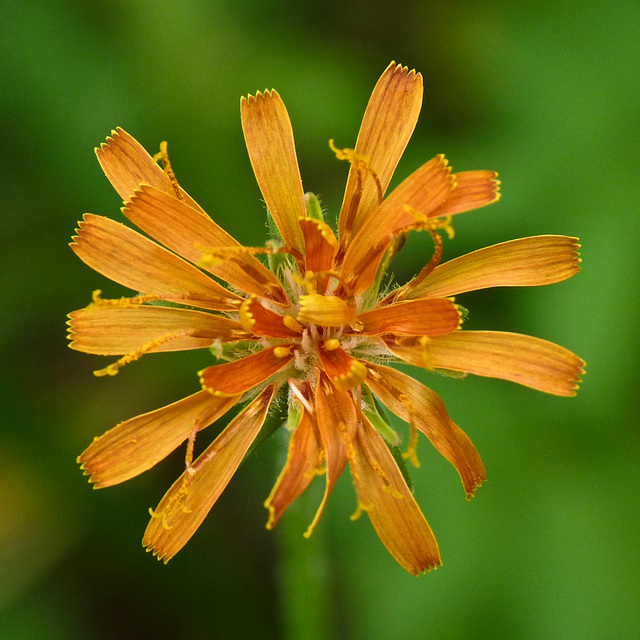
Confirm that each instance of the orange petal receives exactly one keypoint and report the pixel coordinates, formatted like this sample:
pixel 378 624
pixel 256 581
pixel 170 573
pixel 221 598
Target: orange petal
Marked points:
pixel 128 165
pixel 409 318
pixel 242 375
pixel 415 403
pixel 336 420
pixel 529 361
pixel 269 138
pixel 109 331
pixel 192 495
pixel 179 227
pixel 343 369
pixel 472 190
pixel 524 262
pixel 320 244
pixel 257 319
pixel 384 495
pixel 423 191
pixel 387 125
pixel 132 260
pixel 138 444
pixel 303 460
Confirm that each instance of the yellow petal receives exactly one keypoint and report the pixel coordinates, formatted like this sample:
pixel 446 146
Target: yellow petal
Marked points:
pixel 191 497
pixel 523 359
pixel 132 260
pixel 242 375
pixel 384 495
pixel 304 458
pixel 138 444
pixel 128 165
pixel 416 404
pixel 109 331
pixel 269 138
pixel 530 261
pixel 387 125
pixel 343 369
pixel 327 311
pixel 336 420
pixel 179 227
pixel 409 318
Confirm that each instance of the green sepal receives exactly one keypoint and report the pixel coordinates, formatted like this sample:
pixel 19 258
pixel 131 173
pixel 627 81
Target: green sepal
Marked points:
pixel 378 418
pixel 314 209
pixel 232 351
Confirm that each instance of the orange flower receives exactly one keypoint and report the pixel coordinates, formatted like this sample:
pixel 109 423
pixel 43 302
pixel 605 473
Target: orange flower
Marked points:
pixel 313 325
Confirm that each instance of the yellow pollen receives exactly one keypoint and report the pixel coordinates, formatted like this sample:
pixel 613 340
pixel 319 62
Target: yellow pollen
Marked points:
pixel 163 156
pixel 113 368
pixel 353 378
pixel 98 301
pixel 361 163
pixel 282 352
pixel 246 317
pixel 331 345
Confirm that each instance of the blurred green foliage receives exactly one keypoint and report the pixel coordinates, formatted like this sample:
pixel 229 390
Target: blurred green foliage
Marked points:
pixel 544 92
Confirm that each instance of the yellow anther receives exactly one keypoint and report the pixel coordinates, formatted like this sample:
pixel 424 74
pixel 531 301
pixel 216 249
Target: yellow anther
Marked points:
pixel 353 378
pixel 282 352
pixel 331 345
pixel 291 323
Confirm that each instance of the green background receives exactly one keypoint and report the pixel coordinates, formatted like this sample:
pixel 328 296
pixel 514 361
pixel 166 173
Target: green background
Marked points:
pixel 546 93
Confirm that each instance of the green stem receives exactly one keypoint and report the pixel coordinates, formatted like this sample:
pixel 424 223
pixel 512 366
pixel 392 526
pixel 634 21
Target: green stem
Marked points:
pixel 305 573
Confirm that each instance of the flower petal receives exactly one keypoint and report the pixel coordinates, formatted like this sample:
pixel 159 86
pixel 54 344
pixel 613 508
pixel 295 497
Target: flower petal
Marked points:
pixel 182 229
pixel 532 261
pixel 417 404
pixel 387 126
pixel 127 257
pixel 336 420
pixel 409 318
pixel 128 165
pixel 423 191
pixel 192 495
pixel 242 375
pixel 342 368
pixel 327 311
pixel 257 319
pixel 136 445
pixel 384 495
pixel 472 190
pixel 269 137
pixel 320 245
pixel 109 331
pixel 529 361
pixel 304 459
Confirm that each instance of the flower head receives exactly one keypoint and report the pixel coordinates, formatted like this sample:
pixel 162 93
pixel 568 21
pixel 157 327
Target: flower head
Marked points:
pixel 309 316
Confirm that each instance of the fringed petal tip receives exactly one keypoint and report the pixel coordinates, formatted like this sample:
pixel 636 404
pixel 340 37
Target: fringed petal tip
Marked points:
pixel 158 554
pixel 396 67
pixel 267 94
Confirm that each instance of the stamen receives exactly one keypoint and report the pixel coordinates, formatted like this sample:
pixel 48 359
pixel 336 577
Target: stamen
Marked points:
pixel 98 301
pixel 282 352
pixel 113 368
pixel 163 156
pixel 361 163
